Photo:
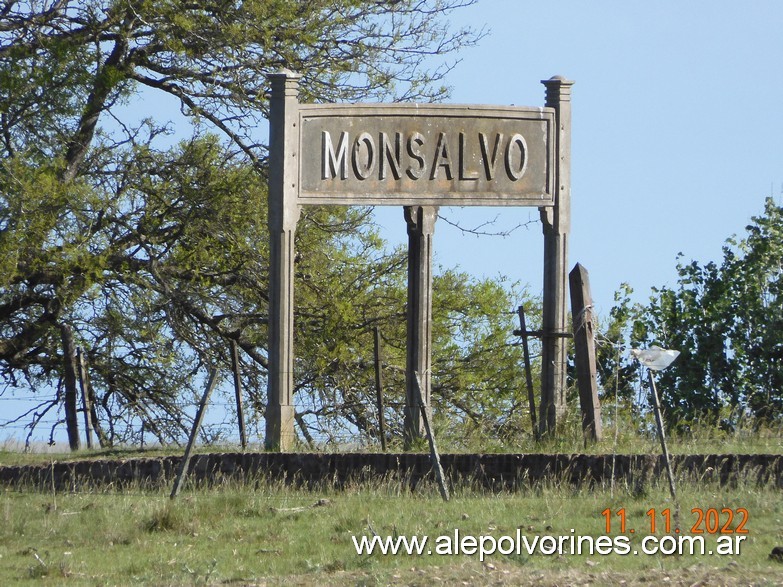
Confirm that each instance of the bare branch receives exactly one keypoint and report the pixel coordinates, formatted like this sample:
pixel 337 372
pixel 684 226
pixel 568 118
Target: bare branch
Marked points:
pixel 481 229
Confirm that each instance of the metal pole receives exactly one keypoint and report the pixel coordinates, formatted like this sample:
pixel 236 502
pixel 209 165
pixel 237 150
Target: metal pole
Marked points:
pixel 425 416
pixel 238 393
pixel 531 398
pixel 183 466
pixel 661 434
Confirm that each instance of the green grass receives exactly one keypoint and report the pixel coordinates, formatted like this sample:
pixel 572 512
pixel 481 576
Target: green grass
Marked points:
pixel 262 532
pixel 626 439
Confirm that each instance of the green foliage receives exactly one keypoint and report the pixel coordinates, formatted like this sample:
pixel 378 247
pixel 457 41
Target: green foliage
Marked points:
pixel 726 320
pixel 262 532
pixel 478 365
pixel 349 286
pixel 616 372
pixel 155 255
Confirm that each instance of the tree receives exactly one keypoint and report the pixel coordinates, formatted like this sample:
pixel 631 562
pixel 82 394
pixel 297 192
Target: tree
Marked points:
pixel 153 255
pixel 726 321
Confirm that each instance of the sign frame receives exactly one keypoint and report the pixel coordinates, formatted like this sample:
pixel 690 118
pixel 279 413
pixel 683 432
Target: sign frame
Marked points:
pixel 425 154
pixel 286 196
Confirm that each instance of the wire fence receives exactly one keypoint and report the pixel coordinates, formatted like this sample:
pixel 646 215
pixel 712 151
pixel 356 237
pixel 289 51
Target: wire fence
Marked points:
pixel 39 419
pixel 23 424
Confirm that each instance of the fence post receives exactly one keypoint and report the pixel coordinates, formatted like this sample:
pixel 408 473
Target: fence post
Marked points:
pixel 86 399
pixel 584 347
pixel 238 393
pixel 531 398
pixel 379 387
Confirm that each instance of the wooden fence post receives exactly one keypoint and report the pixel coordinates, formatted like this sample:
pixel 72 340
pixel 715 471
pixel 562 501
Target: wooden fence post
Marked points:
pixel 379 387
pixel 584 346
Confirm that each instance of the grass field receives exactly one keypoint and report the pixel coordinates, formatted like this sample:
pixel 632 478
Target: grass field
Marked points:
pixel 266 533
pixel 263 532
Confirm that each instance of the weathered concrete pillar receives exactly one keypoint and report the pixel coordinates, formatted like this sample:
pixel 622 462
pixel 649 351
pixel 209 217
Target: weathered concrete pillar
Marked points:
pixel 283 216
pixel 556 224
pixel 421 227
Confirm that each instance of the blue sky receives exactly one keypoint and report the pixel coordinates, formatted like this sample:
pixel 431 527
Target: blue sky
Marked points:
pixel 677 131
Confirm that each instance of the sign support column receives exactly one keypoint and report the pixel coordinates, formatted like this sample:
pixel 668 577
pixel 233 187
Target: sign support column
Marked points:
pixel 421 227
pixel 283 216
pixel 556 224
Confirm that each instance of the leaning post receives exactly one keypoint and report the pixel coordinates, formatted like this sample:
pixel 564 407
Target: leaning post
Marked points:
pixel 556 222
pixel 283 216
pixel 182 471
pixel 584 352
pixel 662 434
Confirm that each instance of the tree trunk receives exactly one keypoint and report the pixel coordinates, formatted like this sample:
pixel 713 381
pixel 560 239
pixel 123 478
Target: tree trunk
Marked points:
pixel 69 382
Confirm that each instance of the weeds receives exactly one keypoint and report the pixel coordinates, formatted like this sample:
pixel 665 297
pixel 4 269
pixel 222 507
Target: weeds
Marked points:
pixel 169 518
pixel 253 528
pixel 257 531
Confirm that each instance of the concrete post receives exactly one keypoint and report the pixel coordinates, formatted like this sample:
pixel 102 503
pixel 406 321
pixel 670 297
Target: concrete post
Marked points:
pixel 421 227
pixel 283 216
pixel 556 224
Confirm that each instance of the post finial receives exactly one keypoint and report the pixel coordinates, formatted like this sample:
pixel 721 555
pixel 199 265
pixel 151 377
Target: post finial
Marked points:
pixel 558 89
pixel 285 83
